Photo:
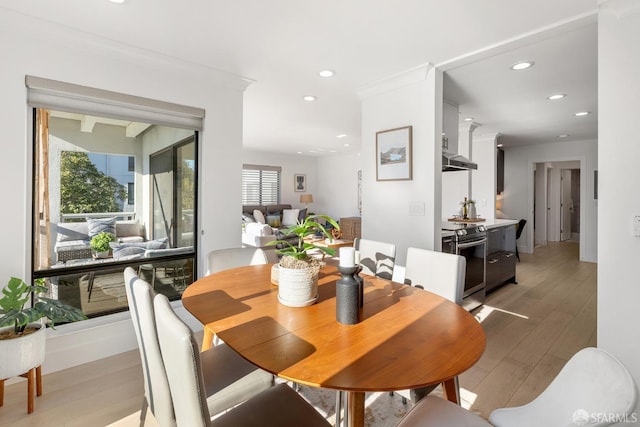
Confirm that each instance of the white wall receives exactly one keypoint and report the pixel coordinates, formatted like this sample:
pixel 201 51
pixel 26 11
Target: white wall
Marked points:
pixel 484 179
pixel 412 99
pixel 618 178
pixel 43 49
pixel 338 186
pixel 517 203
pixel 291 165
pixel 455 187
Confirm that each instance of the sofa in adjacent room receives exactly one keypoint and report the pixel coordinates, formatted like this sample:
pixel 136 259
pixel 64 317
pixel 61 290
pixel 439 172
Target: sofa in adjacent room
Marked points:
pixel 263 224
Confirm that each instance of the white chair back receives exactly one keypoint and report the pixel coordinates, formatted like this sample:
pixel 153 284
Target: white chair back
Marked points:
pixel 376 258
pixel 437 272
pixel 593 389
pixel 180 354
pixel 224 259
pixel 156 387
pixel 279 406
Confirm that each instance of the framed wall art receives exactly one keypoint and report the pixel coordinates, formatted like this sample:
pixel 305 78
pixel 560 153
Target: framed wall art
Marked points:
pixel 393 154
pixel 300 182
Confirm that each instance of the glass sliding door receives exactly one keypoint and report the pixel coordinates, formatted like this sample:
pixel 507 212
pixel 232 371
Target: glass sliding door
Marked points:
pixel 185 186
pixel 173 182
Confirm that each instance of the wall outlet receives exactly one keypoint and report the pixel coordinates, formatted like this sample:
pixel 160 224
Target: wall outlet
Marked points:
pixel 636 225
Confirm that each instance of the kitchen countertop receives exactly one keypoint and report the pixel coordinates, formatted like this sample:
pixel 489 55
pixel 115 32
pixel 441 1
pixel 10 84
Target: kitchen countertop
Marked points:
pixel 499 223
pixel 488 224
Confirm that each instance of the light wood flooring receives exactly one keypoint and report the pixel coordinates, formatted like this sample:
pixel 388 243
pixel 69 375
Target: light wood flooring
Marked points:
pixel 532 329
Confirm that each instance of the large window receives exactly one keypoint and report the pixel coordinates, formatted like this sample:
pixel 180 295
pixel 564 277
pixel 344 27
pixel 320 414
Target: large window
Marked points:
pixel 94 171
pixel 84 178
pixel 260 185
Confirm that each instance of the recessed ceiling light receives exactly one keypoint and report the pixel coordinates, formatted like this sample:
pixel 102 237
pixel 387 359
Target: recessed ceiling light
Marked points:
pixel 327 73
pixel 523 65
pixel 342 135
pixel 299 152
pixel 468 119
pixel 583 113
pixel 564 135
pixel 347 145
pixel 117 1
pixel 556 96
pixel 309 98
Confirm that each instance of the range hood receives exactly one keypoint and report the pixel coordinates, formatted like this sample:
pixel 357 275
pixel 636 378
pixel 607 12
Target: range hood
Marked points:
pixel 456 162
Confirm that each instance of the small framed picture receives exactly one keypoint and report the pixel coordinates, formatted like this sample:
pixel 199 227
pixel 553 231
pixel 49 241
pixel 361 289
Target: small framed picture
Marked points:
pixel 300 182
pixel 393 154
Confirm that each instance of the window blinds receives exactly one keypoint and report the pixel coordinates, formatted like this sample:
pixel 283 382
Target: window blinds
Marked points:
pixel 72 98
pixel 260 185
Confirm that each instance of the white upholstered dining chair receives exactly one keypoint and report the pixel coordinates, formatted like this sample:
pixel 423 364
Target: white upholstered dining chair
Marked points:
pixel 442 274
pixel 224 259
pixel 228 378
pixel 376 258
pixel 437 272
pixel 278 406
pixel 592 389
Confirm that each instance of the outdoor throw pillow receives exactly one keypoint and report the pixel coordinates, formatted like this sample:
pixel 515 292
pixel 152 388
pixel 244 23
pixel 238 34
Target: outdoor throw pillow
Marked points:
pixel 98 225
pixel 121 250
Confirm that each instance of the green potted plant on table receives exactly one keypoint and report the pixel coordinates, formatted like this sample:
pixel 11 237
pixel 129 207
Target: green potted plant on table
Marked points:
pixel 297 272
pixel 100 244
pixel 22 336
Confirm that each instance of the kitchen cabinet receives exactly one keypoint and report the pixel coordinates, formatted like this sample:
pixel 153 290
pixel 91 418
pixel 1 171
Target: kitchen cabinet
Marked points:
pixel 501 256
pixel 351 227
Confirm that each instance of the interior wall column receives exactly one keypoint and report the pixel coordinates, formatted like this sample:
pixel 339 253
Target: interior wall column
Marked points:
pixel 465 148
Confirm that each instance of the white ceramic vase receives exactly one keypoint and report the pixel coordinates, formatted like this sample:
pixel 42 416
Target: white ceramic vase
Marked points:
pixel 19 355
pixel 472 214
pixel 297 287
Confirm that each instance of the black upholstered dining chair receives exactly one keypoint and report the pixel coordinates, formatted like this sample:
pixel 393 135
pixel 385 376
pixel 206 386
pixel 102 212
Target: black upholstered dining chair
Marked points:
pixel 519 229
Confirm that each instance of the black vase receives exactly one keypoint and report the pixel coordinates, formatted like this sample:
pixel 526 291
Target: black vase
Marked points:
pixel 349 296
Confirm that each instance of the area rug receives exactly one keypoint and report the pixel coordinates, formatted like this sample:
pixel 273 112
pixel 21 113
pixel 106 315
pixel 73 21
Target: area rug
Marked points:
pixel 381 409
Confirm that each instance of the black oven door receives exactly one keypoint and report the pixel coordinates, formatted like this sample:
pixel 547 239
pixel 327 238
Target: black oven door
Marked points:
pixel 475 252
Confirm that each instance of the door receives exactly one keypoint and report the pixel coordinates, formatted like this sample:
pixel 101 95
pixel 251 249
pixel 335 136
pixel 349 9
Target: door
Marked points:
pixel 173 188
pixel 566 204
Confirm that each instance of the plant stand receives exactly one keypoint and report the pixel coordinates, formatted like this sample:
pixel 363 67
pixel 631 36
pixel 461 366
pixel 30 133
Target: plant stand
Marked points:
pixel 23 357
pixel 34 381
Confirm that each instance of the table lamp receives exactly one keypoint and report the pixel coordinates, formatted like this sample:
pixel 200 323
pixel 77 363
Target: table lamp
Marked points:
pixel 306 199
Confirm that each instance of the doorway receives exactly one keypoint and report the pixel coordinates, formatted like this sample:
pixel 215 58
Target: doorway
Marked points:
pixel 556 213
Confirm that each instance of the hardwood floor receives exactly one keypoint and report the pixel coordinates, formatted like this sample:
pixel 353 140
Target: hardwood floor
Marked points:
pixel 532 329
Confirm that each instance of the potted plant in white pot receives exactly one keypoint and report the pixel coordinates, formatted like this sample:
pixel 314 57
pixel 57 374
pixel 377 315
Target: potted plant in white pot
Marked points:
pixel 100 244
pixel 297 271
pixel 22 333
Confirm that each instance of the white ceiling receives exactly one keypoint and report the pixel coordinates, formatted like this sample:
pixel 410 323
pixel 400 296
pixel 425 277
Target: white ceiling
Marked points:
pixel 282 44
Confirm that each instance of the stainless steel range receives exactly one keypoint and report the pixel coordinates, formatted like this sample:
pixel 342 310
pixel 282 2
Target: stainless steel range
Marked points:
pixel 469 241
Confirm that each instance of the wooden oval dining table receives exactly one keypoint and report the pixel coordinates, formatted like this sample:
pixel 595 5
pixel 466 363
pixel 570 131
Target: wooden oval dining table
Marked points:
pixel 408 337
